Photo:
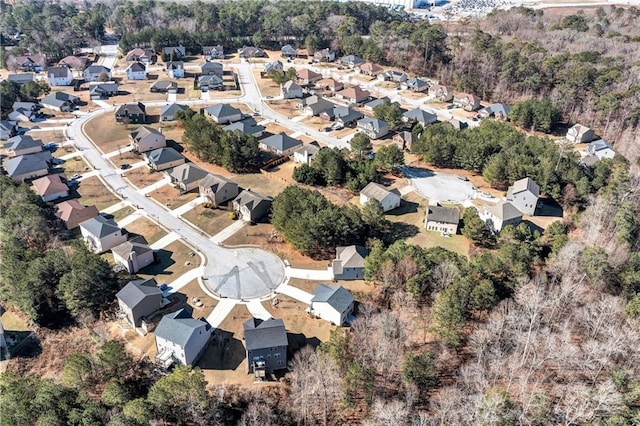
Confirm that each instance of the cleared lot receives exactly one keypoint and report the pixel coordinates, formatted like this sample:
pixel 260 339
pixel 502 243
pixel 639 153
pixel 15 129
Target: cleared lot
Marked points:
pixel 439 186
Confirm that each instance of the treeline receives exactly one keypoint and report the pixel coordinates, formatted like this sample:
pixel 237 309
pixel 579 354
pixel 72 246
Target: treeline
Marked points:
pixel 11 92
pixel 51 283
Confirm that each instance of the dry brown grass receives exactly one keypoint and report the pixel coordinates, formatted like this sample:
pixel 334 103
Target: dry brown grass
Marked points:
pixel 193 290
pixel 285 107
pixel 259 183
pixel 210 221
pixel 266 86
pixel 122 213
pixel 128 157
pixel 75 165
pixel 94 192
pixel 146 228
pixel 174 261
pixel 171 197
pixel 142 177
pixel 106 134
pixel 274 128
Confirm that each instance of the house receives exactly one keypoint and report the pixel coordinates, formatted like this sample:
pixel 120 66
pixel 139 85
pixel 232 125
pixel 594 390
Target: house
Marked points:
pixel 329 84
pixel 168 112
pixel 523 194
pixel 175 69
pixel 324 55
pixel 580 134
pixel 305 153
pixel 417 85
pixel 351 61
pixel 210 82
pixel 60 101
pixel 458 124
pixel 405 139
pixel 22 113
pixel 601 149
pixel 291 90
pixel 72 213
pixel 500 215
pixel 441 93
pixel 354 95
pixel 371 105
pixel 171 53
pixel 212 68
pixel 343 115
pixel 373 127
pixel 60 76
pixel 8 129
pixel 248 127
pixel 467 101
pixel 394 76
pixel 251 52
pixel 164 86
pixel 103 90
pixel 131 113
pixel 78 63
pixel 181 338
pixel 389 199
pixel 133 255
pixel 97 73
pixel 32 63
pixel 223 113
pixel 137 71
pixel 213 52
pixel 186 177
pixel 50 187
pixel 163 158
pixel 281 144
pixel 497 111
pixel 349 263
pixel 102 234
pixel 420 116
pixel 314 105
pixel 251 206
pixel 306 76
pixel 21 79
pixel 25 167
pixel 139 299
pixel 288 51
pixel 266 345
pixel 332 303
pixel 23 145
pixel 442 219
pixel 145 138
pixel 369 68
pixel 218 189
pixel 141 55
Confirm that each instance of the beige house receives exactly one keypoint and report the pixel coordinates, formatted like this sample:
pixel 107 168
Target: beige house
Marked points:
pixel 133 255
pixel 50 187
pixel 389 199
pixel 442 219
pixel 218 189
pixel 145 138
pixel 72 213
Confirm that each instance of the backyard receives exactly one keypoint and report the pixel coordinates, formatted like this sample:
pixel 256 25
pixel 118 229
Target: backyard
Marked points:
pixel 147 229
pixel 93 192
pixel 173 261
pixel 209 220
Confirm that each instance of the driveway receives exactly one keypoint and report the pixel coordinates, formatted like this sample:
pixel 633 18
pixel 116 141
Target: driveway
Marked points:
pixel 442 187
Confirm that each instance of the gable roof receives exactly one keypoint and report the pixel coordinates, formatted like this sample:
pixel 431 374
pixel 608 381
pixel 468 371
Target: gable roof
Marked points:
pixel 187 173
pixel 137 108
pixel 100 226
pixel 222 110
pixel 144 131
pixel 351 256
pixel 370 67
pixel 599 145
pixel 50 184
pixel 210 80
pixel 248 126
pixel 525 184
pixel 420 115
pixel 163 155
pixel 136 291
pixel 377 191
pixel 137 67
pixel 32 60
pixel 308 149
pixel 281 141
pixel 172 109
pixel 407 136
pixel 215 182
pixel 355 93
pixel 504 210
pixel 273 66
pixel 443 214
pixel 21 78
pixel 24 164
pixel 61 71
pixel 379 101
pixel 250 199
pixel 374 123
pixel 307 74
pixel 164 85
pixel 288 49
pixel 125 249
pixel 212 65
pixel 77 62
pixel 58 99
pixel 107 87
pixel 259 334
pixel 178 327
pixel 346 114
pixel 97 69
pixel 316 103
pixel 352 59
pixel 290 86
pixel 497 108
pixel 72 210
pixel 23 142
pixel 175 65
pixel 338 297
pixel 140 53
pixel 416 83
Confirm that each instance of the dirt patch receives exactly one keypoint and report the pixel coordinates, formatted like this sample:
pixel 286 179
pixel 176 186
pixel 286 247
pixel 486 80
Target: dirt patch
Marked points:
pixel 173 262
pixel 128 157
pixel 301 328
pixel 193 290
pixel 259 183
pixel 266 86
pixel 106 134
pixel 74 165
pixel 49 136
pixel 141 177
pixel 139 347
pixel 93 192
pixel 286 107
pixel 274 129
pixel 413 95
pixel 210 221
pixel 147 229
pixel 171 197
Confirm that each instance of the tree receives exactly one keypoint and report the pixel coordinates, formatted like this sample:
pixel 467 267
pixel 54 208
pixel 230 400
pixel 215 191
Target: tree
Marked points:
pixel 389 157
pixel 447 317
pixel 115 394
pixel 307 175
pixel 113 359
pixel 77 372
pixel 420 370
pixel 360 144
pixel 181 395
pixel 389 113
pixel 540 115
pixel 138 411
pixel 30 91
pixel 594 261
pixel 9 93
pixel 474 228
pixel 373 218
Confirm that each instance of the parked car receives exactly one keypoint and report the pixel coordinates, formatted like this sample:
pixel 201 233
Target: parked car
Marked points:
pixel 76 176
pixel 124 166
pixel 164 287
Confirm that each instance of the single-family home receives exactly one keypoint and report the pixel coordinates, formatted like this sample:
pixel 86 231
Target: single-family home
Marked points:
pixel 134 255
pixel 332 303
pixel 498 111
pixel 141 55
pixel 22 111
pixel 371 105
pixel 288 51
pixel 21 79
pixel 223 113
pixel 78 63
pixel 97 73
pixel 394 76
pixel 251 206
pixel 324 55
pixel 329 84
pixel 247 126
pixel 50 187
pixel 405 139
pixel 580 134
pixel 369 68
pixel 601 149
pixel 186 177
pixel 218 189
pixel 442 219
pixel 416 85
pixel 523 194
pixel 163 158
pixel 146 138
pixel 60 76
pixel 291 90
pixel 421 116
pixel 341 114
pixel 349 263
pixel 389 199
pixel 212 68
pixel 137 71
pixel 102 234
pixel 351 61
pixel 23 145
pixel 172 53
pixel 25 167
pixel 275 66
pixel 266 345
pixel 131 113
pixel 8 129
pixel 441 93
pixel 168 112
pixel 72 213
pixel 213 52
pixel 175 69
pixel 458 124
pixel 281 144
pixel 210 82
pixel 164 86
pixel 305 153
pixel 139 299
pixel 500 215
pixel 354 95
pixel 60 101
pixel 314 105
pixel 103 90
pixel 306 76
pixel 32 63
pixel 373 127
pixel 251 52
pixel 181 338
pixel 467 101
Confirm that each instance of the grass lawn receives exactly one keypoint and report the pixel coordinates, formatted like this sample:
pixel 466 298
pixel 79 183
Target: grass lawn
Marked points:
pixel 122 213
pixel 12 322
pixel 173 261
pixel 106 134
pixel 92 191
pixel 75 165
pixel 171 197
pixel 128 157
pixel 211 221
pixel 146 228
pixel 259 183
pixel 266 85
pixel 141 177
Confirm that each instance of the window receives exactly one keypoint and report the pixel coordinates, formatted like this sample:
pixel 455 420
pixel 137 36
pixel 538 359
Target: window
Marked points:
pixel 277 355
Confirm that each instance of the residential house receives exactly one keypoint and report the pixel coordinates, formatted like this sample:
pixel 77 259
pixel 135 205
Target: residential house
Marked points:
pixel 388 199
pixel 441 93
pixel 164 86
pixel 212 68
pixel 373 127
pixel 168 112
pixel 72 213
pixel 210 82
pixel 21 79
pixel 251 206
pixel 97 73
pixel 371 105
pixel 145 56
pixel 23 145
pixel 420 116
pixel 332 303
pixel 248 127
pixel 137 71
pixel 497 111
pixel 102 234
pixel 213 52
pixel 275 66
pixel 343 115
pixel 8 129
pixel 60 76
pixel 78 63
pixel 305 153
pixel 50 188
pixel 314 105
pixel 351 61
pixel 172 53
pixel 131 113
pixel 281 144
pixel 218 189
pixel 458 124
pixel 349 263
pixel 329 84
pixel 354 95
pixel 23 111
pixel 601 149
pixel 442 219
pixel 524 194
pixel 32 63
pixel 467 101
pixel 60 101
pixel 405 139
pixel 133 255
pixel 145 138
pixel 186 177
pixel 25 167
pixel 580 134
pixel 369 68
pixel 416 85
pixel 305 76
pixel 500 215
pixel 163 158
pixel 394 76
pixel 291 90
pixel 288 51
pixel 223 113
pixel 266 345
pixel 251 52
pixel 139 299
pixel 103 90
pixel 181 338
pixel 324 55
pixel 175 69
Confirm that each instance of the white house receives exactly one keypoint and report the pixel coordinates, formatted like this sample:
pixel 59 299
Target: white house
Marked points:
pixel 579 134
pixel 146 138
pixel 291 90
pixel 305 153
pixel 601 149
pixel 175 69
pixel 60 76
pixel 94 72
pixel 133 255
pixel 102 234
pixel 500 215
pixel 137 71
pixel 442 219
pixel 332 303
pixel 523 194
pixel 373 127
pixel 181 338
pixel 388 199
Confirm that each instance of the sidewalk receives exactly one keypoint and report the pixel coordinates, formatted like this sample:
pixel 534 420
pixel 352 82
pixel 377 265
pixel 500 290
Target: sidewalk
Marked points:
pixel 220 312
pixel 228 231
pixel 310 274
pixel 165 241
pixel 295 292
pixel 257 310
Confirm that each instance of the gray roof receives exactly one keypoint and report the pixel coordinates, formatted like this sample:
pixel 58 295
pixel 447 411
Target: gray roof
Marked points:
pixel 213 79
pixel 420 115
pixel 59 98
pixel 103 87
pixel 187 173
pixel 142 132
pixel 598 145
pixel 251 199
pixel 172 109
pixel 504 210
pixel 273 66
pixel 290 86
pixel 374 123
pixel 215 182
pixel 408 136
pixel 136 291
pixel 310 148
pixel 97 69
pixel 23 142
pixel 178 327
pixel 336 296
pixel 416 82
pixel 352 59
pixel 281 142
pixel 346 114
pixel 21 78
pixel 211 65
pixel 24 164
pixel 163 155
pixel 164 85
pixel 496 108
pixel 136 67
pixel 374 103
pixel 137 108
pixel 222 110
pixel 351 256
pixel 377 191
pixel 589 160
pixel 61 71
pixel 524 185
pixel 248 126
pixel 175 65
pixel 443 214
pixel 125 249
pixel 7 125
pixel 259 334
pixel 288 49
pixel 100 226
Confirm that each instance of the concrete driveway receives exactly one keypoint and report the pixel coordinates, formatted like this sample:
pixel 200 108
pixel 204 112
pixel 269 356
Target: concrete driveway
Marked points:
pixel 439 186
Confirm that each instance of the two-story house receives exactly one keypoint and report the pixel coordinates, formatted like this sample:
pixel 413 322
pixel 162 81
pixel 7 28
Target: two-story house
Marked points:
pixel 102 234
pixel 266 345
pixel 139 299
pixel 524 194
pixel 181 338
pixel 146 138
